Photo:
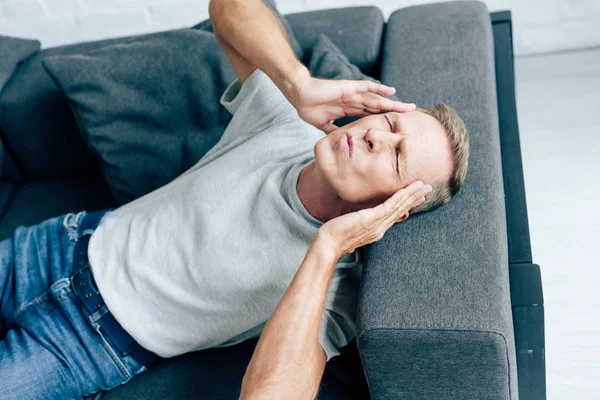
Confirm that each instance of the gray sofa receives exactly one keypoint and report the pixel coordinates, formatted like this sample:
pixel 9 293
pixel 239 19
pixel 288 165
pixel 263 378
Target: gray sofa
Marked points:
pixel 450 305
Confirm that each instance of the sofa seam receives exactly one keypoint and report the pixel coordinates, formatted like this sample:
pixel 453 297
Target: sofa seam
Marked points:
pixel 380 328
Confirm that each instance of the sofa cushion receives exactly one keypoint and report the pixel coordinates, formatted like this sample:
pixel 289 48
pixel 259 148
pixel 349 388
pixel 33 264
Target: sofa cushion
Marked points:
pixel 12 52
pixel 37 201
pixel 355 30
pixel 435 293
pixel 38 125
pixel 9 172
pixel 149 108
pixel 217 374
pixel 7 190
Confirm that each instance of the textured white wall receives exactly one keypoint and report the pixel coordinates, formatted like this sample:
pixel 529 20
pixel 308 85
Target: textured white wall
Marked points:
pixel 539 25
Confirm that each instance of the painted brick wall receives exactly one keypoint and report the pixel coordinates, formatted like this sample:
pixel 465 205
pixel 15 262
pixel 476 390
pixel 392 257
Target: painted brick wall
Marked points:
pixel 540 25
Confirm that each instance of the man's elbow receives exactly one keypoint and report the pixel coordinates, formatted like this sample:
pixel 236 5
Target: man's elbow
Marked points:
pixel 212 10
pixel 215 10
pixel 218 9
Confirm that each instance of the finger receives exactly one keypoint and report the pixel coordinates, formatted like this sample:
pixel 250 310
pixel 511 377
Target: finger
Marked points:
pixel 373 87
pixel 404 199
pixel 374 101
pixel 352 111
pixel 388 210
pixel 404 107
pixel 397 207
pixel 362 111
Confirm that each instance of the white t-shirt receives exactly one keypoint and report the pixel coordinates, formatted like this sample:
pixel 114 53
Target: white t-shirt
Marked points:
pixel 203 261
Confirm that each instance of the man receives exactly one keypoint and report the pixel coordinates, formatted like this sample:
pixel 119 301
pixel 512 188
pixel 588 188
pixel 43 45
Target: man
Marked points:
pixel 258 238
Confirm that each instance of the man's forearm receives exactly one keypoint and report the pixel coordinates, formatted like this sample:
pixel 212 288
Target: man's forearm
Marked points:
pixel 256 34
pixel 288 361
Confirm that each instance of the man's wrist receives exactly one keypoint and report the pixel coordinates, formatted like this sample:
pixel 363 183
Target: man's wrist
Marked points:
pixel 326 245
pixel 291 79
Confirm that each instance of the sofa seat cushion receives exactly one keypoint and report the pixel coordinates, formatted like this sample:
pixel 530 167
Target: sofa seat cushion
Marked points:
pixel 37 201
pixel 217 374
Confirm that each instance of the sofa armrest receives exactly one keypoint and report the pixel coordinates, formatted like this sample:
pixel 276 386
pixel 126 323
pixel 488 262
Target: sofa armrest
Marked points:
pixel 525 279
pixel 434 312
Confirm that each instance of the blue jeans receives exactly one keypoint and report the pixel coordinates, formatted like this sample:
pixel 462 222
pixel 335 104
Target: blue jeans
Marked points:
pixel 52 349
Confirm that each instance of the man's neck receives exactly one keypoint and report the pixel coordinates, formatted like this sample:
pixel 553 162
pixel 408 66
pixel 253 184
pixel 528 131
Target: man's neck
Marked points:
pixel 318 197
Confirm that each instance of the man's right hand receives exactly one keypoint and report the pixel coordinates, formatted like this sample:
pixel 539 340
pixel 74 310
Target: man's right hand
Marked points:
pixel 320 101
pixel 252 37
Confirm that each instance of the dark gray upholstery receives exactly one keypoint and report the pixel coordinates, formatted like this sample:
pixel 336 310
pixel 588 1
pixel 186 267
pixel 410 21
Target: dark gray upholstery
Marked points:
pixel 32 107
pixel 355 30
pixel 217 374
pixel 434 308
pixel 434 313
pixel 12 52
pixel 147 128
pixel 6 192
pixel 37 201
pixel 8 170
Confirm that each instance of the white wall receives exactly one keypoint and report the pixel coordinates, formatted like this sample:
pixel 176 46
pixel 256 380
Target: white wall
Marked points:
pixel 539 25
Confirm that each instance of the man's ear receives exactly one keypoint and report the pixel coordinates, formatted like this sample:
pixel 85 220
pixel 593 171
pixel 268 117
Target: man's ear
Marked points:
pixel 402 218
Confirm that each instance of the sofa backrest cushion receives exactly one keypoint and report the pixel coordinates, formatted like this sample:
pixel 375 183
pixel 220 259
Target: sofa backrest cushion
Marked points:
pixel 148 108
pixel 356 31
pixel 8 170
pixel 38 125
pixel 12 52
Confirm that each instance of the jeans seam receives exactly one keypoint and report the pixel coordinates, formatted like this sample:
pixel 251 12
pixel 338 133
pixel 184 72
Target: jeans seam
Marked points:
pixel 113 355
pixel 24 306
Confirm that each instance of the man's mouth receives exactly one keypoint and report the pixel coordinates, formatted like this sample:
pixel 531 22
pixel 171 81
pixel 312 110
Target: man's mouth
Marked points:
pixel 349 141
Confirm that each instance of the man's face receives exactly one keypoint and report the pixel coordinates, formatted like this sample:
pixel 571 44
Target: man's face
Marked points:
pixel 370 159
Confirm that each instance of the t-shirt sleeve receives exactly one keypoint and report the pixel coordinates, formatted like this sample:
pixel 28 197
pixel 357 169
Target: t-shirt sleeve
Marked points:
pixel 338 323
pixel 256 105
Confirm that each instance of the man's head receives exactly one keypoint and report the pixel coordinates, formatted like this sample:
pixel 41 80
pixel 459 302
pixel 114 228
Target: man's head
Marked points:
pixel 370 159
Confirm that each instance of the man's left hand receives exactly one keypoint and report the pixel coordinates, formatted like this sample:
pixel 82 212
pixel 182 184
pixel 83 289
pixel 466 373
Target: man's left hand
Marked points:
pixel 320 101
pixel 347 232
